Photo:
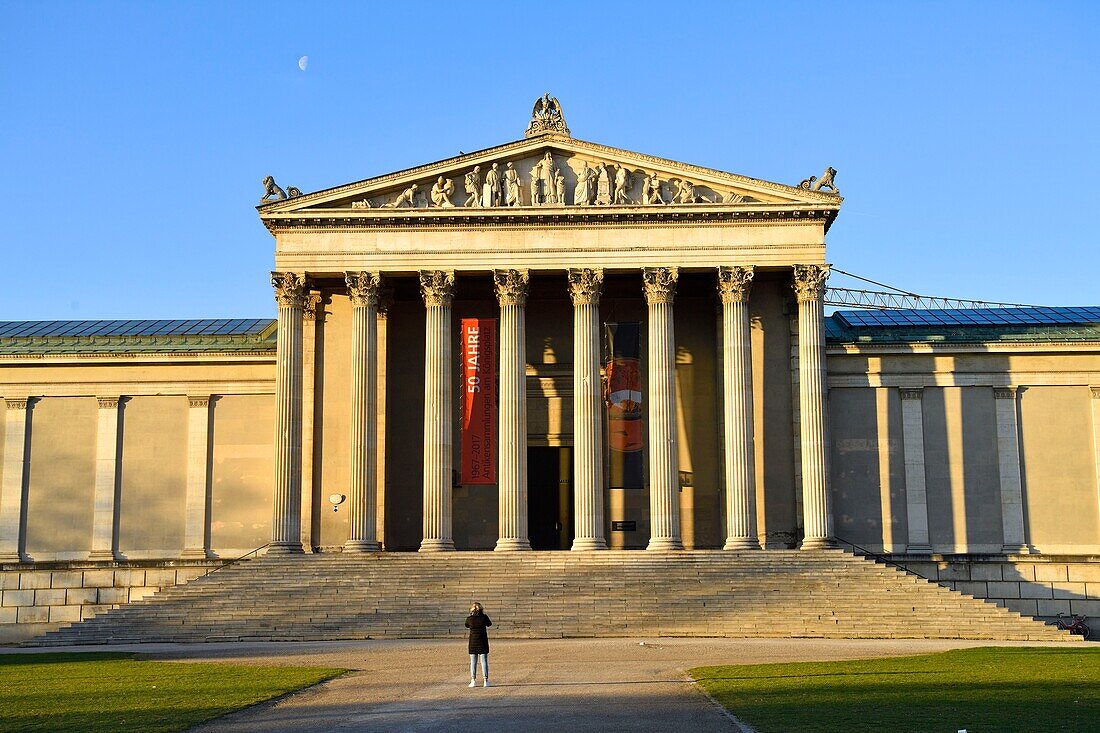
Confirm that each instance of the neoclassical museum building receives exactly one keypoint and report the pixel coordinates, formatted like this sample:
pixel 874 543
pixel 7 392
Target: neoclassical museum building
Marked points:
pixel 553 344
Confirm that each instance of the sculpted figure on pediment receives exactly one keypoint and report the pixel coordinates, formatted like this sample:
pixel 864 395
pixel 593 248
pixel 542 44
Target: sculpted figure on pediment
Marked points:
pixel 472 184
pixel 582 194
pixel 651 190
pixel 512 195
pixel 361 204
pixel 536 199
pixel 685 193
pixel 813 183
pixel 490 190
pixel 623 182
pixel 559 187
pixel 603 186
pixel 733 198
pixel 406 198
pixel 441 193
pixel 272 191
pixel 542 180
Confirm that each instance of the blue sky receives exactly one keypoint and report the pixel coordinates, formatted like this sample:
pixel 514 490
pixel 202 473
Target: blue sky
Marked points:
pixel 134 136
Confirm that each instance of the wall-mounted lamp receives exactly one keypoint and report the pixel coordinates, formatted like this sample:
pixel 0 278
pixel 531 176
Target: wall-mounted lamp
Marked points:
pixel 336 500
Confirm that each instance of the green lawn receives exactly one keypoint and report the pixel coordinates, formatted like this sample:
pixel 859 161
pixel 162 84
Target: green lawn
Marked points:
pixel 62 693
pixel 985 690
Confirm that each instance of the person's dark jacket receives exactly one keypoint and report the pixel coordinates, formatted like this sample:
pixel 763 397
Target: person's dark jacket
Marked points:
pixel 479 640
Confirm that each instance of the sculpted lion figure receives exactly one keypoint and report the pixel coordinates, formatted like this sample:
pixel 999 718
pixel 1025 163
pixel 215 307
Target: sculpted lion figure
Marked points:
pixel 813 183
pixel 272 191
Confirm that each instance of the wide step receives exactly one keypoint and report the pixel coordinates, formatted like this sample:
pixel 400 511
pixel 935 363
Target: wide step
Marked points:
pixel 551 594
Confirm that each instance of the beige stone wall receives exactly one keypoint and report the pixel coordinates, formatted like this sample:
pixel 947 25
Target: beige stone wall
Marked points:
pixel 777 504
pixel 967 506
pixel 70 592
pixel 332 418
pixel 61 478
pixel 1059 468
pixel 1037 587
pixel 153 476
pixel 240 492
pixel 868 467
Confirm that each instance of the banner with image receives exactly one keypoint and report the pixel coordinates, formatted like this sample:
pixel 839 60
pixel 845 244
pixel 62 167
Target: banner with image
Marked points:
pixel 623 396
pixel 479 400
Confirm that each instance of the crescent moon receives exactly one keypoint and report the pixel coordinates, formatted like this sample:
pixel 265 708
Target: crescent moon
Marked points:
pixel 303 63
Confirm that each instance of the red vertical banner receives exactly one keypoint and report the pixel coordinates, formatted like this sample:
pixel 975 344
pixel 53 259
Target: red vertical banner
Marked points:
pixel 479 400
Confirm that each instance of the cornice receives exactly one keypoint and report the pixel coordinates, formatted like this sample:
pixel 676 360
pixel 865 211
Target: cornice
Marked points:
pixel 702 215
pixel 147 356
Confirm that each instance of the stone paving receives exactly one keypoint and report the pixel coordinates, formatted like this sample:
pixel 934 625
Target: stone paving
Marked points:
pixel 563 684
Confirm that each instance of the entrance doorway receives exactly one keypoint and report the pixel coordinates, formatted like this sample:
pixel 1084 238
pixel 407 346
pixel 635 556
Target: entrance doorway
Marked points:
pixel 550 497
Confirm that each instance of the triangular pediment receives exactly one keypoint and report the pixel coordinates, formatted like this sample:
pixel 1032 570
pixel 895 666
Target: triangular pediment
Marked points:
pixel 549 171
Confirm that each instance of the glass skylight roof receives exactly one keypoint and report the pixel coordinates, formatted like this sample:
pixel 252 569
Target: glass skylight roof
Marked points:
pixel 971 317
pixel 77 329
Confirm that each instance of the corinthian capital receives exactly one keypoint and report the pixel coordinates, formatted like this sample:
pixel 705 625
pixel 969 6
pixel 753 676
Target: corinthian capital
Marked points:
pixel 511 286
pixel 364 288
pixel 290 289
pixel 437 287
pixel 809 282
pixel 660 284
pixel 734 284
pixel 584 286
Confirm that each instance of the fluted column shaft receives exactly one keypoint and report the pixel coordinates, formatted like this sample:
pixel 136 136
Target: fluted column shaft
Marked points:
pixel 511 292
pixel 664 471
pixel 809 285
pixel 286 524
pixel 584 290
pixel 363 288
pixel 17 419
pixel 437 289
pixel 734 284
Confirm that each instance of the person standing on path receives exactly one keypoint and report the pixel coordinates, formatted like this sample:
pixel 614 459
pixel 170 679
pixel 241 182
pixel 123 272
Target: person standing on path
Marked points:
pixel 477 622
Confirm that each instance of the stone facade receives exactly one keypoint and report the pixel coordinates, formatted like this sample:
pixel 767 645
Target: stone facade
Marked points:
pixel 48 594
pixel 762 427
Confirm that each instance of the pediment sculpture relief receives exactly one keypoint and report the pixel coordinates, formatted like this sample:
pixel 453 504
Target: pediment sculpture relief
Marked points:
pixel 551 181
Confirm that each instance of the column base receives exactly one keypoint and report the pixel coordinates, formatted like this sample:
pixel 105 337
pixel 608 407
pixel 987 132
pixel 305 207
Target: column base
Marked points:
pixel 1016 549
pixel 12 557
pixel 437 545
pixel 362 546
pixel 741 543
pixel 285 548
pixel 101 555
pixel 818 543
pixel 918 549
pixel 583 544
pixel 665 543
pixel 512 544
pixel 194 554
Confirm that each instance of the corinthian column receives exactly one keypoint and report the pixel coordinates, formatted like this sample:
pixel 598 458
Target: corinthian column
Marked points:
pixel 584 289
pixel 363 287
pixel 286 523
pixel 511 290
pixel 437 288
pixel 734 284
pixel 664 472
pixel 809 287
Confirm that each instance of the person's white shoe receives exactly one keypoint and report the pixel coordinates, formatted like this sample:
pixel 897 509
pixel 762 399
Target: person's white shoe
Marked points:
pixel 473 683
pixel 485 683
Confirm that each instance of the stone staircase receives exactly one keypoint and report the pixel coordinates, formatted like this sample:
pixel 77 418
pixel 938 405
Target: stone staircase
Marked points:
pixel 773 593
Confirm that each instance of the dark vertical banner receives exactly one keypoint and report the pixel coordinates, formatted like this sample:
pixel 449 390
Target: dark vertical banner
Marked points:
pixel 623 395
pixel 479 400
